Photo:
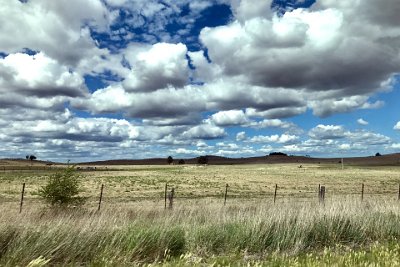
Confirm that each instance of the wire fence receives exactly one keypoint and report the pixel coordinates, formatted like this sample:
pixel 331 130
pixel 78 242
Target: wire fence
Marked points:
pixel 169 196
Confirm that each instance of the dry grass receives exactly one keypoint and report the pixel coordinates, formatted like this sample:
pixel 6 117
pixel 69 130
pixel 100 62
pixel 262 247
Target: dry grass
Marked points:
pixel 143 232
pixel 124 183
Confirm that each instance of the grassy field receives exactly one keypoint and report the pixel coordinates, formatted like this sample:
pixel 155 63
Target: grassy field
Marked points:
pixel 124 183
pixel 132 227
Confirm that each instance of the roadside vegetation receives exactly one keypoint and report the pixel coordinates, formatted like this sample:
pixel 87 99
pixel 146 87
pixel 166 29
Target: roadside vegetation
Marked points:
pixel 289 233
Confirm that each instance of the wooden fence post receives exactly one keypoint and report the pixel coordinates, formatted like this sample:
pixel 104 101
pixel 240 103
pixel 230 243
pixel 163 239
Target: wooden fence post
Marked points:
pixel 101 196
pixel 171 198
pixel 22 198
pixel 319 191
pixel 362 191
pixel 276 189
pixel 322 195
pixel 226 193
pixel 398 195
pixel 165 195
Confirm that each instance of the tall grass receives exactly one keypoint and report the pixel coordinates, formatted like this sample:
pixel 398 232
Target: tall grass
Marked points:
pixel 145 233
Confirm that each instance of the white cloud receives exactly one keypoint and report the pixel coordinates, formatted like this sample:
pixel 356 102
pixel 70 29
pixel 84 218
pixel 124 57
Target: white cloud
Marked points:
pixel 397 126
pixel 327 107
pixel 186 151
pixel 247 9
pixel 273 123
pixel 235 153
pixel 165 103
pixel 274 113
pixel 231 146
pixel 395 146
pixel 202 144
pixel 327 132
pixel 365 138
pixel 38 75
pixel 77 129
pixel 204 131
pixel 266 149
pixel 44 25
pixel 362 121
pixel 158 67
pixel 344 146
pixel 229 118
pixel 282 139
pixel 328 58
pixel 241 136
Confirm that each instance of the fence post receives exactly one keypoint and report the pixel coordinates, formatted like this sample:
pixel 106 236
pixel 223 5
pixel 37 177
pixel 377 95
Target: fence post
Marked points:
pixel 398 195
pixel 276 189
pixel 22 198
pixel 226 193
pixel 319 191
pixel 165 195
pixel 101 196
pixel 171 198
pixel 362 191
pixel 322 195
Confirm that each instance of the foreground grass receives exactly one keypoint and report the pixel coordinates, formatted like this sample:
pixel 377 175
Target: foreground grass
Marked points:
pixel 291 234
pixel 376 255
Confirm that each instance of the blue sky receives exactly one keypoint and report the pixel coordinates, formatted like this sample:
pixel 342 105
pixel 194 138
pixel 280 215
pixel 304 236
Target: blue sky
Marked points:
pixel 112 79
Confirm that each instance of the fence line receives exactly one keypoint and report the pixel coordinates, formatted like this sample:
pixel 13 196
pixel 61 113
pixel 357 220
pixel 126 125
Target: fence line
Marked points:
pixel 322 193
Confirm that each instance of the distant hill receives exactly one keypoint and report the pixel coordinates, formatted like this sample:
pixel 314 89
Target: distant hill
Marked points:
pixel 23 162
pixel 384 160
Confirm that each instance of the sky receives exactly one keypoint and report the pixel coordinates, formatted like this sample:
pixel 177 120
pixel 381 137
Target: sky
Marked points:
pixel 130 79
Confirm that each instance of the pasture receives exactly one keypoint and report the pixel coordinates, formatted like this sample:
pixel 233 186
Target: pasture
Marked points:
pixel 133 228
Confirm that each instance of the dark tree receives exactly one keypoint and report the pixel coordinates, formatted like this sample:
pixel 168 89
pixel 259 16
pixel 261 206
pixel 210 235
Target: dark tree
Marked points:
pixel 181 161
pixel 170 160
pixel 202 160
pixel 32 157
pixel 378 154
pixel 277 154
pixel 27 157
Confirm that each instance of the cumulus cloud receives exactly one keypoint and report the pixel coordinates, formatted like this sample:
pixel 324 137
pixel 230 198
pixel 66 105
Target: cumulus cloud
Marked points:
pixel 76 129
pixel 397 126
pixel 165 103
pixel 282 139
pixel 366 138
pixel 361 121
pixel 344 146
pixel 224 145
pixel 325 137
pixel 274 113
pixel 229 118
pixel 327 132
pixel 190 152
pixel 227 94
pixel 44 25
pixel 204 131
pixel 395 146
pixel 241 136
pixel 327 107
pixel 158 67
pixel 311 51
pixel 274 123
pixel 38 75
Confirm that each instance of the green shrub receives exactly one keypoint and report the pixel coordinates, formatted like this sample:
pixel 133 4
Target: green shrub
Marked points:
pixel 62 188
